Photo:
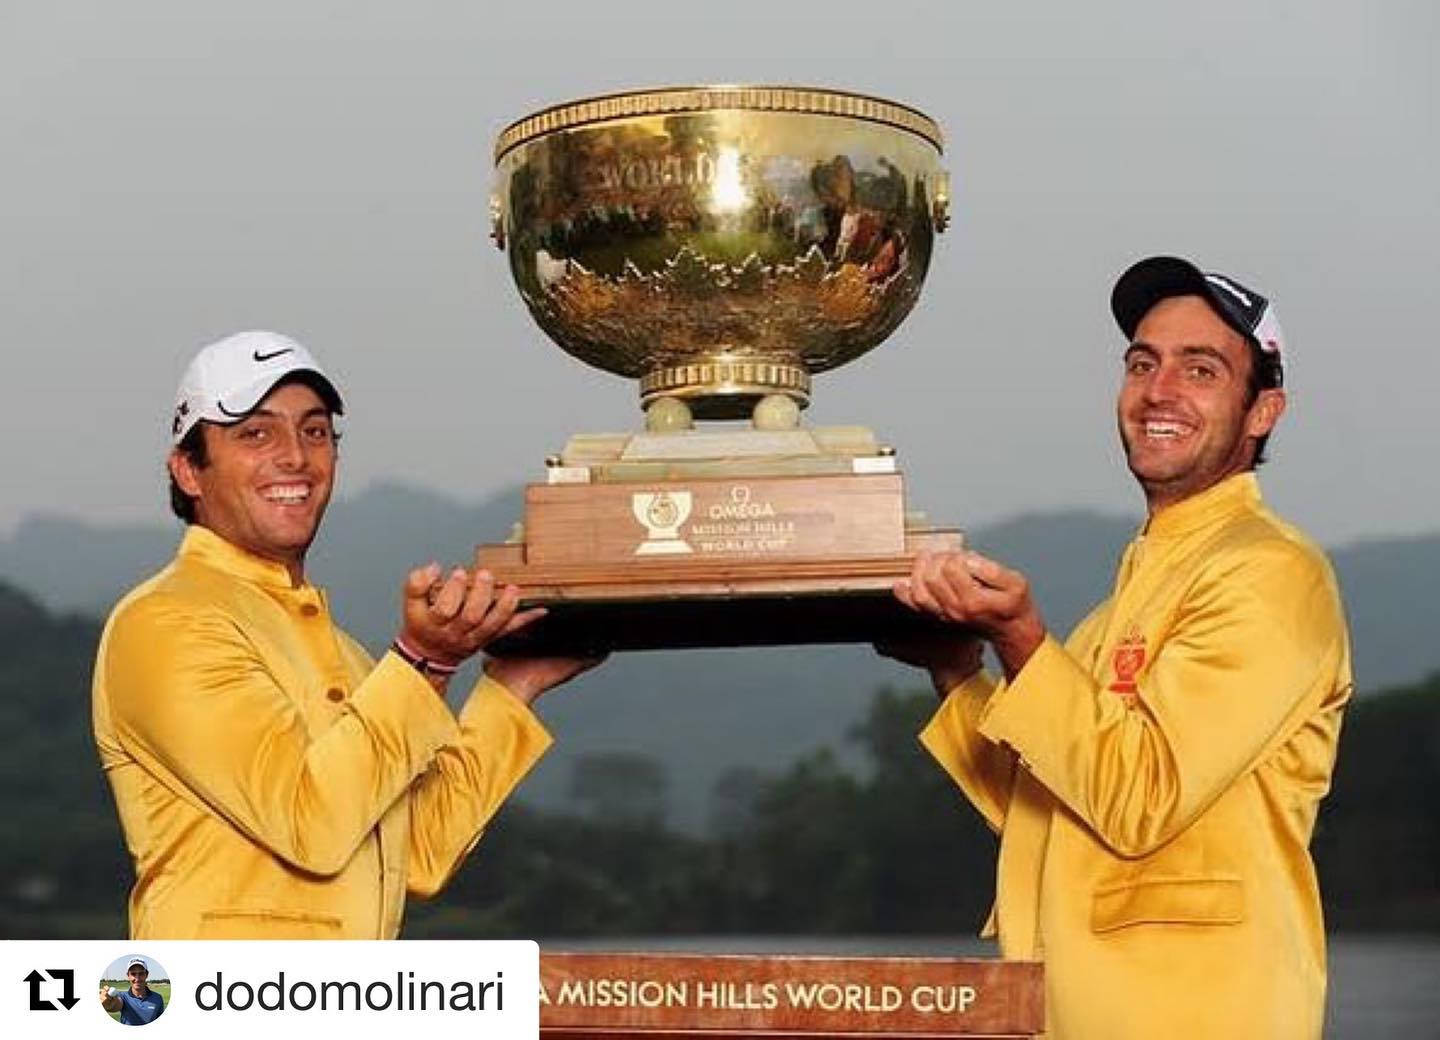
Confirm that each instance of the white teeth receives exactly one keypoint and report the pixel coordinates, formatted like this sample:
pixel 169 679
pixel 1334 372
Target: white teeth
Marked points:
pixel 1164 429
pixel 286 495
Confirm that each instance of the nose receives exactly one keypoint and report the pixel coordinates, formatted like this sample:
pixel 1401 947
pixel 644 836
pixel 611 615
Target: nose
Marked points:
pixel 1162 384
pixel 290 450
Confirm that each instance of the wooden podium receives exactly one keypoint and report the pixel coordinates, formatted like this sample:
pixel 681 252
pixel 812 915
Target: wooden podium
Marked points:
pixel 678 996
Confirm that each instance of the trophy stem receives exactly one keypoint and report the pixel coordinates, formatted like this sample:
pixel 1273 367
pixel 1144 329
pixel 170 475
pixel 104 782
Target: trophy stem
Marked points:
pixel 727 388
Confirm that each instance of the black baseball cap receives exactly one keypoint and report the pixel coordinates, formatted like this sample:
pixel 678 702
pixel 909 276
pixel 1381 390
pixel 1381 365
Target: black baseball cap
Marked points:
pixel 1160 277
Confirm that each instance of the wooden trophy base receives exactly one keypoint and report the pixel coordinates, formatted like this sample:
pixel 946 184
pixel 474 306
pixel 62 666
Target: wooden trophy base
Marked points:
pixel 714 562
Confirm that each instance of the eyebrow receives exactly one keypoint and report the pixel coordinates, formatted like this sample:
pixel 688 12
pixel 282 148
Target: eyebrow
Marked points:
pixel 1194 350
pixel 267 413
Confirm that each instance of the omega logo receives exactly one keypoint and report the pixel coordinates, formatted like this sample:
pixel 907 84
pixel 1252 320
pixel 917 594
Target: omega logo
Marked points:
pixel 740 506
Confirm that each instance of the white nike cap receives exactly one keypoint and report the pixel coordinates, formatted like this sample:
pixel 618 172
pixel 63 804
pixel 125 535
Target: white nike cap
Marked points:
pixel 227 379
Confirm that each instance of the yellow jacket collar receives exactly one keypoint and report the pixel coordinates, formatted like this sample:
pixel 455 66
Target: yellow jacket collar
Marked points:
pixel 1230 496
pixel 207 547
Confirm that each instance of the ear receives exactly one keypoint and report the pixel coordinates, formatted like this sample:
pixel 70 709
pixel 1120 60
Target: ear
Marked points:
pixel 183 472
pixel 1265 412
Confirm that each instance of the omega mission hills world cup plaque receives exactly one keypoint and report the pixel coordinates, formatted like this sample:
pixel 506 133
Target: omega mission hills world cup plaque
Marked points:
pixel 721 245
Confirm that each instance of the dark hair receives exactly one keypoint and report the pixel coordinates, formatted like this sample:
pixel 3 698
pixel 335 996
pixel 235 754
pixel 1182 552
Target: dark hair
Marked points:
pixel 1266 373
pixel 192 446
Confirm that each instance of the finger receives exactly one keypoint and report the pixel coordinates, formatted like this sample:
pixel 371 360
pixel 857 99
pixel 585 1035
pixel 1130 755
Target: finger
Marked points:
pixel 944 584
pixel 991 573
pixel 923 581
pixel 991 604
pixel 952 586
pixel 923 600
pixel 448 600
pixel 924 561
pixel 932 566
pixel 502 609
pixel 904 593
pixel 418 581
pixel 522 619
pixel 479 598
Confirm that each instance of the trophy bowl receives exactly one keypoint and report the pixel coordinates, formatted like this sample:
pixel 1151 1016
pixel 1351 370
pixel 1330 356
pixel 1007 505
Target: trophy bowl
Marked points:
pixel 720 244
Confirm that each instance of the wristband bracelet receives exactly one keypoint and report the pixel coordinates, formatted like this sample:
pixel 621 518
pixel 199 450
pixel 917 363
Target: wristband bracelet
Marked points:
pixel 424 665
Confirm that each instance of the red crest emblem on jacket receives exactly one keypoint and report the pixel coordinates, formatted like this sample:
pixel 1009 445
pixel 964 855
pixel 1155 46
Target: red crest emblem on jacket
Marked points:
pixel 1128 659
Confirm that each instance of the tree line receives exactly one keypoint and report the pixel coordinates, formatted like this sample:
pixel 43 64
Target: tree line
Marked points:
pixel 820 847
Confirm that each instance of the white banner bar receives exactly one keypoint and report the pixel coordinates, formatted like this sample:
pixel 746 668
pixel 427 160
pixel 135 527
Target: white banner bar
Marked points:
pixel 271 990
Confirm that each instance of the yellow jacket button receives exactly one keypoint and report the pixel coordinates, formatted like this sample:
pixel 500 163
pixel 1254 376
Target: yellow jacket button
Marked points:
pixel 335 693
pixel 309 610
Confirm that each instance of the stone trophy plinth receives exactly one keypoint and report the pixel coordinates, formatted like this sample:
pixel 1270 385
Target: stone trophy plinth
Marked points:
pixel 720 246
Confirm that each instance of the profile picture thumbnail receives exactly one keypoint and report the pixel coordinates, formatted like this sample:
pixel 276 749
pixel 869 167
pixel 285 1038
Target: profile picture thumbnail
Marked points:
pixel 135 990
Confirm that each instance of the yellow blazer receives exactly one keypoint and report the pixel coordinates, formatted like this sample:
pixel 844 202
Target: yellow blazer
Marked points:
pixel 272 781
pixel 1155 783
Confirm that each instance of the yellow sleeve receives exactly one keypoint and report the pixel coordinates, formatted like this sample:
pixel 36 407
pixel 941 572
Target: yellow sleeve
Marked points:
pixel 190 696
pixel 984 770
pixel 1255 649
pixel 500 740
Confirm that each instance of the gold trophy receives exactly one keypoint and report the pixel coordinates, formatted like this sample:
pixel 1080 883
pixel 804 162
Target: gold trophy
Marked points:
pixel 721 245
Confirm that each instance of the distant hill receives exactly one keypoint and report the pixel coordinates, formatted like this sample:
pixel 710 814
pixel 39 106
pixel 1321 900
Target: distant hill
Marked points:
pixel 60 833
pixel 701 712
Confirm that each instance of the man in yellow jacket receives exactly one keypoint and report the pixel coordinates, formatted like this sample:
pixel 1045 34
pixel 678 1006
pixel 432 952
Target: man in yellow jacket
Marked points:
pixel 273 781
pixel 1155 779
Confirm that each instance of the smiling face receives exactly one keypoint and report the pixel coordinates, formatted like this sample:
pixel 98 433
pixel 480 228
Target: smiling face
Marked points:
pixel 1184 412
pixel 268 477
pixel 138 977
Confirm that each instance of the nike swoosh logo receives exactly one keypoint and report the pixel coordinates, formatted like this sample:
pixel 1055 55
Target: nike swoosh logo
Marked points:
pixel 269 357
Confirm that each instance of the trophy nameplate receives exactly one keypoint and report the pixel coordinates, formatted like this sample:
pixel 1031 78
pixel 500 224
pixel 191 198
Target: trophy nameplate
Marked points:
pixel 720 245
pixel 686 996
pixel 767 518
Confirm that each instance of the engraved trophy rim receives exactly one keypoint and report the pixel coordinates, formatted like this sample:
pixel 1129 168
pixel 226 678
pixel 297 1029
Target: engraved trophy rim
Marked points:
pixel 777 98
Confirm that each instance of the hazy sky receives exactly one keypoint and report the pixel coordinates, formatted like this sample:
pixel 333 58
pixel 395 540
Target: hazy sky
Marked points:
pixel 177 170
